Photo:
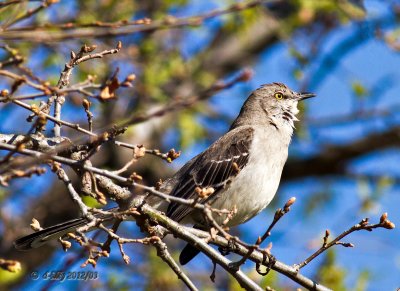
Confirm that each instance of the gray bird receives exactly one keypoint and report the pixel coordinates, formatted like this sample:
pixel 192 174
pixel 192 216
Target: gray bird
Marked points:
pixel 243 168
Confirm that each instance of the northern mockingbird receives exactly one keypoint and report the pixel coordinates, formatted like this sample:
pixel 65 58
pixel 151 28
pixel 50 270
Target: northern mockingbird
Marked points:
pixel 243 168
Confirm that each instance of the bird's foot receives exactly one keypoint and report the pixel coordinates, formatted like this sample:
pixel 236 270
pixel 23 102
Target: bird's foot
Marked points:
pixel 268 264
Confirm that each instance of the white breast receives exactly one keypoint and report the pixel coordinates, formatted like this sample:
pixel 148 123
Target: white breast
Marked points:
pixel 256 184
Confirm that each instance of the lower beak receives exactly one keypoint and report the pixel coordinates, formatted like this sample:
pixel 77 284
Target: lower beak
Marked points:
pixel 306 95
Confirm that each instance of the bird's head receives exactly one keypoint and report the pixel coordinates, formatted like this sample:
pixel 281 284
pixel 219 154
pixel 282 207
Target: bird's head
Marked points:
pixel 272 103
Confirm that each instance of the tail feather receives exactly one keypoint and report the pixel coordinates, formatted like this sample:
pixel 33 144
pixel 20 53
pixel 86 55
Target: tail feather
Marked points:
pixel 189 251
pixel 39 238
pixel 187 254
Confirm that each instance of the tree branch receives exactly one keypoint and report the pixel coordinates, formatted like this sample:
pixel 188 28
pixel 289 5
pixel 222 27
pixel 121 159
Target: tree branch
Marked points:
pixel 44 35
pixel 333 159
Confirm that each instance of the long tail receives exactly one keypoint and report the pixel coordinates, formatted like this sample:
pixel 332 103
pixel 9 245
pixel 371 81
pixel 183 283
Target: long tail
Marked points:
pixel 39 238
pixel 189 251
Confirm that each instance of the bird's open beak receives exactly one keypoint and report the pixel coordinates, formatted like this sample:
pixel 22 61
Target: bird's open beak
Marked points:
pixel 306 95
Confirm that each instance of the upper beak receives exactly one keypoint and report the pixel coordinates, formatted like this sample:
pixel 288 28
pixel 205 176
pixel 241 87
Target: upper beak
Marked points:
pixel 306 95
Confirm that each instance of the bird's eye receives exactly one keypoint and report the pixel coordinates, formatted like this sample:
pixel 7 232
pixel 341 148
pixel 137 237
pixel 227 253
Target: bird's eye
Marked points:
pixel 278 95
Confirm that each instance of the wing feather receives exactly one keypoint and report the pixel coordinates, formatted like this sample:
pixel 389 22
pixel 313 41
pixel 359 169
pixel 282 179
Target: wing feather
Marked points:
pixel 212 168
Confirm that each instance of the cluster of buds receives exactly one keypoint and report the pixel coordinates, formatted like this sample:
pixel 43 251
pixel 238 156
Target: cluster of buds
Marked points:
pixel 143 21
pixel 128 81
pixel 139 151
pixel 90 261
pixel 4 93
pixel 66 245
pixel 386 223
pixel 204 192
pixel 172 155
pixel 134 177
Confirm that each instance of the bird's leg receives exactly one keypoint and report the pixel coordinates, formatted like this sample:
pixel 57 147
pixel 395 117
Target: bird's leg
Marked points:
pixel 231 246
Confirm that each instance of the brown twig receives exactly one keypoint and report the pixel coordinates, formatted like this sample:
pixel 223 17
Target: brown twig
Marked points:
pixel 79 88
pixel 170 22
pixel 28 13
pixel 362 225
pixel 125 167
pixel 4 179
pixel 163 253
pixel 24 79
pixel 14 59
pixel 86 105
pixel 107 244
pixel 168 156
pixel 83 55
pixel 180 103
pixel 11 2
pixel 36 111
pixel 56 168
pixel 18 146
pixel 278 215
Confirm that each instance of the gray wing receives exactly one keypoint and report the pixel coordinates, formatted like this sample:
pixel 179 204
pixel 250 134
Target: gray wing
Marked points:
pixel 214 168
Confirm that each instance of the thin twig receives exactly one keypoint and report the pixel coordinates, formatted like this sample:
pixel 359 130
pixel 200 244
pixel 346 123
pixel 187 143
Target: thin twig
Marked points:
pixel 53 119
pixel 12 2
pixel 28 13
pixel 44 35
pixel 82 56
pixel 86 105
pixel 26 173
pixel 278 215
pixel 74 195
pixel 163 253
pixel 75 88
pixel 362 225
pixel 180 103
pixel 126 166
pixel 23 79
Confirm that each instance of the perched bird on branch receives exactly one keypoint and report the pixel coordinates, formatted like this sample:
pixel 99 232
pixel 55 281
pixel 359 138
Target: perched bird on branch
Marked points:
pixel 240 171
